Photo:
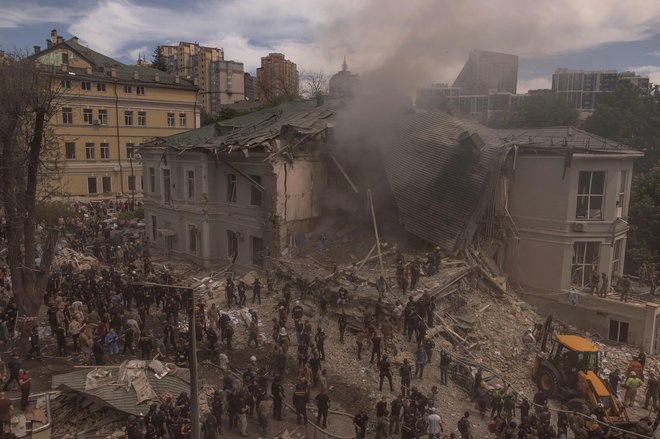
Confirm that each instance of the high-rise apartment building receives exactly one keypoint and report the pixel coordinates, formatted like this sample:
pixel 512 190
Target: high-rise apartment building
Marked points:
pixel 584 88
pixel 108 109
pixel 227 84
pixel 194 62
pixel 276 77
pixel 488 72
pixel 248 80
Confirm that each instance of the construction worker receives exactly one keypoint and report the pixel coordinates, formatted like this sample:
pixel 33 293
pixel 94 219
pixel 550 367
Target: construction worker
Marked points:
pixel 594 282
pixel 632 384
pixel 496 401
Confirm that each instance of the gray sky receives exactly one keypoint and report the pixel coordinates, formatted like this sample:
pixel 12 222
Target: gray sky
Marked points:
pixel 418 41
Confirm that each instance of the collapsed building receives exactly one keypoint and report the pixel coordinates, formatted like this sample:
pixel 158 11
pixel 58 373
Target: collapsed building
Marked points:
pixel 544 207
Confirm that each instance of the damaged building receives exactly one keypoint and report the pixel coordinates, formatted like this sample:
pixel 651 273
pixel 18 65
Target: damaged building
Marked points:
pixel 545 207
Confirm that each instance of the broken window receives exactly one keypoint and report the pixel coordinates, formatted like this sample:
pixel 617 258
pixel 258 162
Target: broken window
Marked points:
pixel 616 257
pixel 585 261
pixel 231 188
pixel 257 250
pixel 232 245
pixel 620 201
pixel 255 194
pixel 190 185
pixel 192 239
pixel 591 188
pixel 618 331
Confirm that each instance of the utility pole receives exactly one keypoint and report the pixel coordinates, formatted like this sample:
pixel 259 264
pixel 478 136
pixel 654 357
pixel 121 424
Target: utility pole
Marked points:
pixel 194 396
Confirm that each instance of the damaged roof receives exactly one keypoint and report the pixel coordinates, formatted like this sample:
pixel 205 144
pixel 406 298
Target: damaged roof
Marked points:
pixel 260 128
pixel 116 396
pixel 560 138
pixel 441 186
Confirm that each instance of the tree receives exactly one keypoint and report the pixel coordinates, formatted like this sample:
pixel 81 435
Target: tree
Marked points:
pixel 644 239
pixel 546 110
pixel 158 60
pixel 28 101
pixel 314 84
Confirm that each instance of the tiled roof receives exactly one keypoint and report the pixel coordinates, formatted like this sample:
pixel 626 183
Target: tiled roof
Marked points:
pixel 561 137
pixel 441 187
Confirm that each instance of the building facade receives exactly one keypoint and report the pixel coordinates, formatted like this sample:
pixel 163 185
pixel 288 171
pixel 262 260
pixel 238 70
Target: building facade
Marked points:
pixel 227 85
pixel 276 77
pixel 218 195
pixel 486 72
pixel 569 201
pixel 108 110
pixel 344 83
pixel 195 63
pixel 584 88
pixel 248 81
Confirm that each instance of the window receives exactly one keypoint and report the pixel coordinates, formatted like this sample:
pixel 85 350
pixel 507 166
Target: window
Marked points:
pixel 130 149
pixel 70 148
pixel 103 117
pixel 91 185
pixel 65 83
pixel 128 118
pixel 167 193
pixel 170 119
pixel 192 239
pixel 128 89
pixel 232 245
pixel 88 116
pixel 190 185
pixel 231 188
pixel 139 90
pixel 67 116
pixel 182 119
pixel 142 118
pixel 618 331
pixel 106 182
pixel 90 151
pixel 255 194
pixel 616 258
pixel 131 183
pixel 100 86
pixel 585 261
pixel 65 58
pixel 154 227
pixel 152 179
pixel 591 188
pixel 86 85
pixel 257 250
pixel 105 151
pixel 621 198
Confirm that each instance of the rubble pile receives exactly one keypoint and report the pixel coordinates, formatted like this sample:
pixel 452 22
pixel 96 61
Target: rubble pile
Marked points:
pixel 79 261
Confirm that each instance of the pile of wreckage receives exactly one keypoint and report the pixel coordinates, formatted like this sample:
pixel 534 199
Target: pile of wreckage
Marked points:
pixel 100 400
pixel 77 260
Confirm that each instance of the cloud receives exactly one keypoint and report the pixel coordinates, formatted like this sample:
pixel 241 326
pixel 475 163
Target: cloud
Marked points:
pixel 654 53
pixel 653 72
pixel 525 85
pixel 16 14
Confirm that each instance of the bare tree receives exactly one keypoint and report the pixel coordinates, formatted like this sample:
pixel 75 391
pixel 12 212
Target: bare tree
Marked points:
pixel 282 90
pixel 29 99
pixel 313 84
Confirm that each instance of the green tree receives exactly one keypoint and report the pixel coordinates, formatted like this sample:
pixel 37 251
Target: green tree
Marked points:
pixel 644 219
pixel 158 60
pixel 546 110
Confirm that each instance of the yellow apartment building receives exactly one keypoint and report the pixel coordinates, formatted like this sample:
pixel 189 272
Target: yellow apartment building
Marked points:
pixel 108 110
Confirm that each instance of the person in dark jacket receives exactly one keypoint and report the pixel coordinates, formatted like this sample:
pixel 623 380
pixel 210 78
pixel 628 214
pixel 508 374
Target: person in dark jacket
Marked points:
pixel 323 404
pixel 300 402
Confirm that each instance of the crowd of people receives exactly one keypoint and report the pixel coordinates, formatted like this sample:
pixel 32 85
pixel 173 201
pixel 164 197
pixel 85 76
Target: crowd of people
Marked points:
pixel 124 309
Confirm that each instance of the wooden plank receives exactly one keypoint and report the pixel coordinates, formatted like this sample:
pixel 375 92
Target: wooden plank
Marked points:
pixel 348 179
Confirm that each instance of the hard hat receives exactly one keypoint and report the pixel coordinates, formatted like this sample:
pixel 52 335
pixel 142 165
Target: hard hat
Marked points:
pixel 282 331
pixel 253 358
pixel 426 337
pixel 633 374
pixel 297 302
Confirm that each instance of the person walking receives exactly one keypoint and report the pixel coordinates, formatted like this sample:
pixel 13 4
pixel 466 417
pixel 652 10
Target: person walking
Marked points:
pixel 445 361
pixel 24 382
pixel 652 389
pixel 375 348
pixel 435 424
pixel 405 372
pixel 420 361
pixel 323 405
pixel 632 384
pixel 300 403
pixel 277 390
pixel 342 327
pixel 256 291
pixel 385 372
pixel 464 426
pixel 360 423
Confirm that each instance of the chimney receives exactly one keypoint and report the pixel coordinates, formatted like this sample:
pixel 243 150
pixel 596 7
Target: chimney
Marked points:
pixel 74 40
pixel 53 36
pixel 113 72
pixel 136 75
pixel 157 77
pixel 37 49
pixel 60 40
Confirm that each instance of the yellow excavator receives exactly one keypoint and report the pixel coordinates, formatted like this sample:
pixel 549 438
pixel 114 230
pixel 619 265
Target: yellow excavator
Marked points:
pixel 570 371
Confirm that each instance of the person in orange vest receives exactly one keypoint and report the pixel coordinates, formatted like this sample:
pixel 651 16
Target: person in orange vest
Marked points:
pixel 635 366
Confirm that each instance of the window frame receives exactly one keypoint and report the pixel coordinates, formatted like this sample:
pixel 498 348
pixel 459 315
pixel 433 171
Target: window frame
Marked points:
pixel 67 116
pixel 96 188
pixel 232 188
pixel 171 120
pixel 256 197
pixel 232 245
pixel 90 151
pixel 581 269
pixel 139 90
pixel 67 150
pixel 104 146
pixel 105 179
pixel 617 249
pixel 618 331
pixel 65 84
pixel 152 179
pixel 621 194
pixel 192 241
pixel 183 120
pixel 130 150
pixel 128 89
pixel 142 118
pixel 128 118
pixel 590 197
pixel 101 86
pixel 88 116
pixel 103 116
pixel 86 85
pixel 257 259
pixel 190 183
pixel 131 181
pixel 167 185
